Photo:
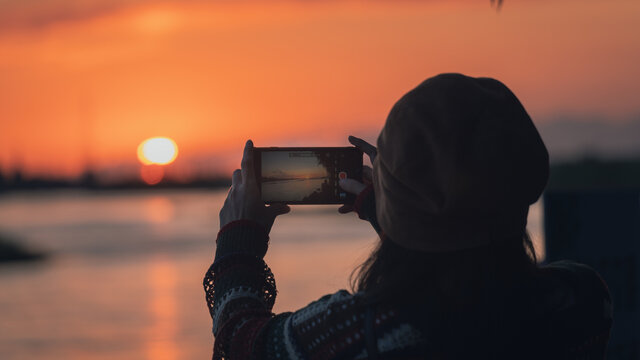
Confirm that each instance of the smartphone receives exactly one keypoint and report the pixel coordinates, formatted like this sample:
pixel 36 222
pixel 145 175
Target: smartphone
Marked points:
pixel 306 175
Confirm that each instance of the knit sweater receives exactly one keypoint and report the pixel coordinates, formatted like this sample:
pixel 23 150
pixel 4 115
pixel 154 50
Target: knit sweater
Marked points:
pixel 240 292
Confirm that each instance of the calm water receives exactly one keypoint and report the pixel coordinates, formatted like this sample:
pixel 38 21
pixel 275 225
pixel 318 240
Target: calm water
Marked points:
pixel 124 277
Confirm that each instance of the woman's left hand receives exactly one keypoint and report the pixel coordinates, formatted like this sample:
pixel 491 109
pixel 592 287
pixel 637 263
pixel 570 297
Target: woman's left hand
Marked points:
pixel 243 201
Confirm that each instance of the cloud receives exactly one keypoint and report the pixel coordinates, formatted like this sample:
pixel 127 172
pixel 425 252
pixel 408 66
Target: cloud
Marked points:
pixel 20 15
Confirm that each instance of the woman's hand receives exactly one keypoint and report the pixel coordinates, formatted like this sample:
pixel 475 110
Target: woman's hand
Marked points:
pixel 243 201
pixel 353 186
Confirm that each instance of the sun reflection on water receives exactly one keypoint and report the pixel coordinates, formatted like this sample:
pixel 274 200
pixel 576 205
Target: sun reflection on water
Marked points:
pixel 161 343
pixel 159 210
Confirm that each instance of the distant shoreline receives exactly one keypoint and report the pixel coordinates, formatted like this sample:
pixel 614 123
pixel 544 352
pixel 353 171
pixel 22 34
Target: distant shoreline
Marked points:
pixel 580 174
pixel 45 184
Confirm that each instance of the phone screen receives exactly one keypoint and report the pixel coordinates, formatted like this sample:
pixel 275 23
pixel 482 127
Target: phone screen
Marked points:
pixel 306 175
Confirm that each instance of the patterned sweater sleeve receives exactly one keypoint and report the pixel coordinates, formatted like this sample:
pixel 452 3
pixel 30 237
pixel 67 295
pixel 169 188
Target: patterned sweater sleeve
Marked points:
pixel 240 289
pixel 240 292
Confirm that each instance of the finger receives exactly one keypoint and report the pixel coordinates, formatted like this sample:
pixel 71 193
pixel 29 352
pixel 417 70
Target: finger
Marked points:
pixel 278 209
pixel 352 186
pixel 236 178
pixel 367 173
pixel 364 146
pixel 345 209
pixel 247 164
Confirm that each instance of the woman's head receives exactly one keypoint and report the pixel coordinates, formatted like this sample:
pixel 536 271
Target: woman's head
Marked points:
pixel 459 162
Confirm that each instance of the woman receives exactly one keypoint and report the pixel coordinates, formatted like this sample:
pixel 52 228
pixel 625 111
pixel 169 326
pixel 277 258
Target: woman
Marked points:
pixel 458 163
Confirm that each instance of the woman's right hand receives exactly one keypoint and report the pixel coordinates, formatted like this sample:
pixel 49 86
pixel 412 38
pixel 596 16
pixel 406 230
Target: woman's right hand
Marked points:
pixel 353 186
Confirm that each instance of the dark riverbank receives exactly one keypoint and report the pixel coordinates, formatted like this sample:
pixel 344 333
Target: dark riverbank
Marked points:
pixel 10 252
pixel 583 174
pixel 17 182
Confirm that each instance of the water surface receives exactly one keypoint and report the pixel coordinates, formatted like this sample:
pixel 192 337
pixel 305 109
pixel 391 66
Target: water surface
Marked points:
pixel 125 272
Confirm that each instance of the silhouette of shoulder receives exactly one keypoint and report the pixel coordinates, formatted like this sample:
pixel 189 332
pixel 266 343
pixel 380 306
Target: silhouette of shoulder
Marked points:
pixel 575 310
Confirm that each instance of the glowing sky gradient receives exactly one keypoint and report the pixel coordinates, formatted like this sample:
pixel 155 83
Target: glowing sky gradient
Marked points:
pixel 85 83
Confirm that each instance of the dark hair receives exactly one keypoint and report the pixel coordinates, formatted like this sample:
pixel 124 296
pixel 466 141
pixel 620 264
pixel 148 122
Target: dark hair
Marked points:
pixel 457 297
pixel 391 266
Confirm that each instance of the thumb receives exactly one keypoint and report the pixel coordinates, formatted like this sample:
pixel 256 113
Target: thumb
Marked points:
pixel 352 186
pixel 278 209
pixel 345 209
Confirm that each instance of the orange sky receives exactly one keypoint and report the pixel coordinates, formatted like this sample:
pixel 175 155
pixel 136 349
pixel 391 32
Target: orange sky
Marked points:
pixel 86 83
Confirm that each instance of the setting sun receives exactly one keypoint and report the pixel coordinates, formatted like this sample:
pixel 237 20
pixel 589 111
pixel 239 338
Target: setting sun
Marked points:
pixel 157 150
